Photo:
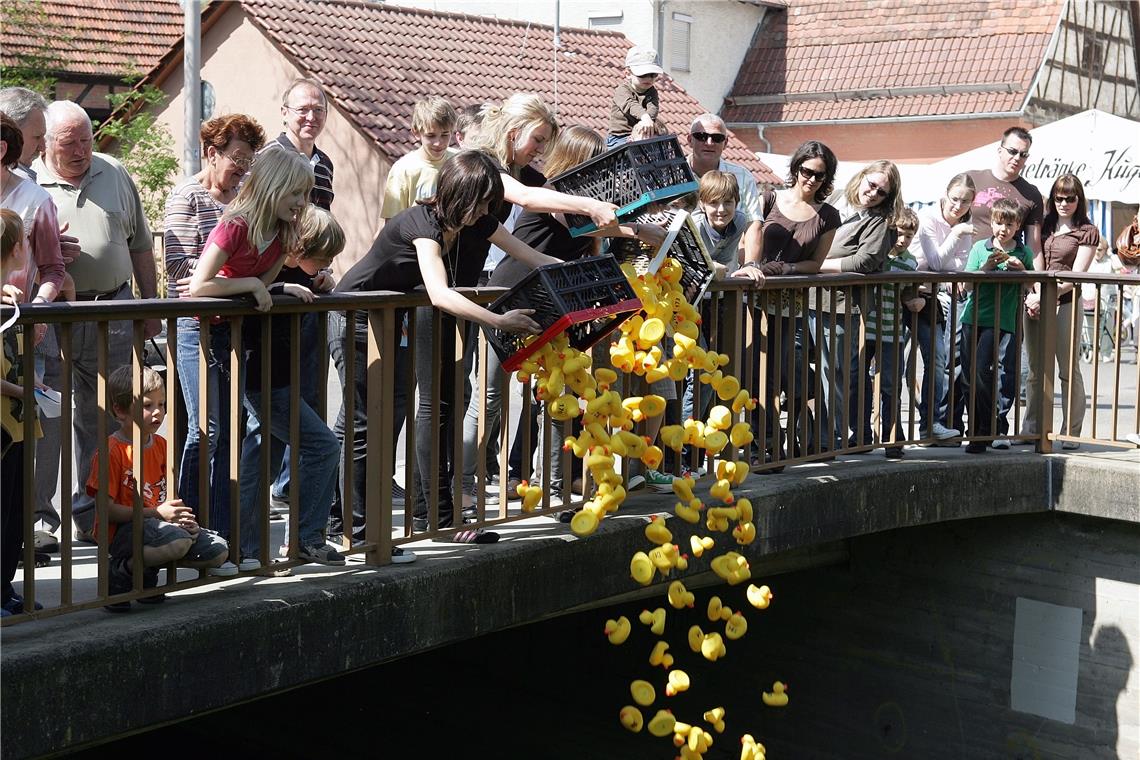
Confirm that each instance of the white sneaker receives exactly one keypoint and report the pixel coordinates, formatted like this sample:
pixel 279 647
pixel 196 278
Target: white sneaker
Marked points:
pixel 1000 443
pixel 225 570
pixel 635 482
pixel 249 563
pixel 402 556
pixel 942 433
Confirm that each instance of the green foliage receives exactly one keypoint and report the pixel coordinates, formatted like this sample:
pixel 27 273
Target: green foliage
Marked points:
pixel 144 147
pixel 33 38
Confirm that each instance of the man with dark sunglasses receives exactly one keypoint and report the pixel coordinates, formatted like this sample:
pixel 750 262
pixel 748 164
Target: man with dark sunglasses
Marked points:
pixel 708 138
pixel 1004 180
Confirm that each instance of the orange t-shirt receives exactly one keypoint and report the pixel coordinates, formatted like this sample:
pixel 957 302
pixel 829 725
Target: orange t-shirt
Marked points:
pixel 121 477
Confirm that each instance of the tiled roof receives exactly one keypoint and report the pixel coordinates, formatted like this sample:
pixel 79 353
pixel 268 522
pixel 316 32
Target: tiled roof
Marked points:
pixel 93 37
pixel 823 59
pixel 376 60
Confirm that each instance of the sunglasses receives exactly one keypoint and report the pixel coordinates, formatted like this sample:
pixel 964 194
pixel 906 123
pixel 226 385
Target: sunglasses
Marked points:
pixel 651 75
pixel 810 175
pixel 879 191
pixel 1064 199
pixel 1012 152
pixel 716 137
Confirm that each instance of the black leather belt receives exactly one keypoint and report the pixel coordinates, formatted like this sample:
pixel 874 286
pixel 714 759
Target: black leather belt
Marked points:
pixel 94 295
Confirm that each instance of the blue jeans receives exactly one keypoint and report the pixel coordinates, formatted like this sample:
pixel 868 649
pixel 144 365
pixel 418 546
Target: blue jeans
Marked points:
pixel 317 459
pixel 217 420
pixel 932 345
pixel 984 378
pixel 888 364
pixel 838 366
pixel 280 451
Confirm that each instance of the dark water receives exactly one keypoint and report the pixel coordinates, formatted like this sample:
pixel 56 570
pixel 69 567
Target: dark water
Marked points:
pixel 549 690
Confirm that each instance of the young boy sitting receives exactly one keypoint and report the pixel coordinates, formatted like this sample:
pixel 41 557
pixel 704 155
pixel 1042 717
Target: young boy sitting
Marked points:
pixel 170 532
pixel 635 99
pixel 1001 253
pixel 885 324
pixel 414 175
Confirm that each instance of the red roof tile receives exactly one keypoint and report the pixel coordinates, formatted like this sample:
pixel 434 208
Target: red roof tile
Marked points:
pixel 377 60
pixel 815 60
pixel 97 37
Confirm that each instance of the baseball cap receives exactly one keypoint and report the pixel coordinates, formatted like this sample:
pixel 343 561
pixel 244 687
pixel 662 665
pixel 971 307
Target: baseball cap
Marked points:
pixel 642 61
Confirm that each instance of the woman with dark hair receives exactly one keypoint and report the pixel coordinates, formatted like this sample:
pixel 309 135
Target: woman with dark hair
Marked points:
pixel 192 212
pixel 1069 241
pixel 439 244
pixel 797 234
pixel 868 207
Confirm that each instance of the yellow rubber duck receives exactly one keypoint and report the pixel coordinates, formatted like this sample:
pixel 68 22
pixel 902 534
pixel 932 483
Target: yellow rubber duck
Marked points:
pixel 744 533
pixel 660 655
pixel 678 682
pixel 750 749
pixel 643 692
pixel 715 718
pixel 735 627
pixel 731 568
pixel 728 387
pixel 745 507
pixel 564 407
pixel 743 402
pixel 717 611
pixel 690 513
pixel 605 377
pixel 734 472
pixel 652 457
pixel 661 724
pixel 722 490
pixel 531 496
pixel 720 418
pixel 778 697
pixel 695 638
pixel 656 531
pixel 672 436
pixel 631 718
pixel 758 596
pixel 679 596
pixel 640 566
pixel 715 441
pixel 712 647
pixel 584 523
pixel 741 435
pixel 662 559
pixel 701 544
pixel 617 631
pixel 655 620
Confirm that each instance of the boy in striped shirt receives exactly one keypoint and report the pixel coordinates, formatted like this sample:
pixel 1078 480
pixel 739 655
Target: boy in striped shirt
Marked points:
pixel 886 333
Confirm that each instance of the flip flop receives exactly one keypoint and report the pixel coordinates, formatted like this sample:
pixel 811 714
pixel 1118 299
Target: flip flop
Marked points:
pixel 469 536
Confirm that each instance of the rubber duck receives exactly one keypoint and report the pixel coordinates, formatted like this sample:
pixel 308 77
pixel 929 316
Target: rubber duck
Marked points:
pixel 749 749
pixel 640 566
pixel 660 655
pixel 697 742
pixel 617 631
pixel 683 487
pixel 563 408
pixel 731 568
pixel 672 436
pixel 657 374
pixel 735 627
pixel 679 596
pixel 655 620
pixel 717 611
pixel 631 718
pixel 650 334
pixel 661 724
pixel 715 441
pixel 695 638
pixel 634 445
pixel 694 433
pixel 778 697
pixel 584 523
pixel 678 682
pixel 701 544
pixel 531 495
pixel 741 434
pixel 745 507
pixel 681 733
pixel 656 531
pixel 722 490
pixel 690 513
pixel 758 596
pixel 744 533
pixel 605 377
pixel 621 355
pixel 652 457
pixel 715 718
pixel 728 387
pixel 643 692
pixel 734 472
pixel 712 647
pixel 662 559
pixel 743 402
pixel 720 418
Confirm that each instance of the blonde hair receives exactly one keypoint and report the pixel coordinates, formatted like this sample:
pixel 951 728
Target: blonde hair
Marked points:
pixel 321 235
pixel 575 145
pixel 122 388
pixel 508 125
pixel 433 111
pixel 892 205
pixel 718 186
pixel 275 173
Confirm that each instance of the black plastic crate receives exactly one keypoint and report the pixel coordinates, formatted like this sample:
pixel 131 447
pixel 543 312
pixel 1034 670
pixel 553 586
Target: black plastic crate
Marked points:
pixel 630 176
pixel 683 243
pixel 587 297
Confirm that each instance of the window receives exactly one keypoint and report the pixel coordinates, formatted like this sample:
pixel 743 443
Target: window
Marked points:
pixel 679 53
pixel 1092 54
pixel 605 19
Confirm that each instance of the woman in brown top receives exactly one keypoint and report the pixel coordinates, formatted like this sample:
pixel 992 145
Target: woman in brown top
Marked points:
pixel 797 233
pixel 1069 241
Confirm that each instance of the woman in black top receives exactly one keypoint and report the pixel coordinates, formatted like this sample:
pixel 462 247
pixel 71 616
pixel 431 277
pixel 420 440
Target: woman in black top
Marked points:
pixel 440 244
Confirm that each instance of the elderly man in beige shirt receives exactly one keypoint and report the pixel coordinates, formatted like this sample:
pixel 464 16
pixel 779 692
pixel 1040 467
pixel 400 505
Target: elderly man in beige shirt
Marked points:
pixel 98 200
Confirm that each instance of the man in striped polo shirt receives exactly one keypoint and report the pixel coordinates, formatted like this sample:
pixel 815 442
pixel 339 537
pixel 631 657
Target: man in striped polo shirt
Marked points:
pixel 304 111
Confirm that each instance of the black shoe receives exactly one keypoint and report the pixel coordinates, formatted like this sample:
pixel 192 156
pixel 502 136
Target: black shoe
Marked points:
pixel 894 453
pixel 119 582
pixel 977 447
pixel 397 494
pixel 419 524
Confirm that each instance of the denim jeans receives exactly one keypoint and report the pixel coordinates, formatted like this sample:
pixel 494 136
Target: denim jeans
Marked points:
pixel 317 459
pixel 338 337
pixel 836 366
pixel 493 404
pixel 279 452
pixel 932 345
pixel 217 420
pixel 983 376
pixel 888 365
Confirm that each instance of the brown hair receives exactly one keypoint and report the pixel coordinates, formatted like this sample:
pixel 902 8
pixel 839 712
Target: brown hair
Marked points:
pixel 10 133
pixel 321 235
pixel 889 206
pixel 575 145
pixel 1068 184
pixel 467 180
pixel 121 386
pixel 433 111
pixel 1005 210
pixel 906 221
pixel 13 232
pixel 717 186
pixel 219 131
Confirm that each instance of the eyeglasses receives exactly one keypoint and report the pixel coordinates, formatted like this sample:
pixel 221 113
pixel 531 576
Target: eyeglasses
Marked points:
pixel 1014 153
pixel 1064 199
pixel 716 137
pixel 810 175
pixel 317 111
pixel 882 192
pixel 242 164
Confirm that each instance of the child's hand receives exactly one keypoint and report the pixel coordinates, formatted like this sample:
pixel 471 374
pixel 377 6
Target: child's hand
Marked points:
pixel 914 305
pixel 262 297
pixel 1014 264
pixel 652 234
pixel 962 228
pixel 994 260
pixel 11 295
pixel 174 511
pixel 182 286
pixel 297 291
pixel 324 282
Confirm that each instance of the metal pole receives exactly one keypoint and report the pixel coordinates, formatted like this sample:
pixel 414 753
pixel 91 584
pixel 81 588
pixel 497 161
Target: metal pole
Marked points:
pixel 192 23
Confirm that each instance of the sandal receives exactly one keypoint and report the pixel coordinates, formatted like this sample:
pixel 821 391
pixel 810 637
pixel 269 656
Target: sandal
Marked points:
pixel 470 536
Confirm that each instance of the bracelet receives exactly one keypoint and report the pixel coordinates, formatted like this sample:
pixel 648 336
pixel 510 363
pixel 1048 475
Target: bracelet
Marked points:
pixel 753 264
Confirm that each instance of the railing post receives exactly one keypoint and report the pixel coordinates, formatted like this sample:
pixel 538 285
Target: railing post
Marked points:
pixel 1048 353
